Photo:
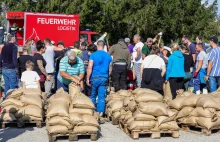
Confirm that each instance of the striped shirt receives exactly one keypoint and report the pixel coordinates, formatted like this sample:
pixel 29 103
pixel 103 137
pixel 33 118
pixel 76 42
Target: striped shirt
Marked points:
pixel 75 70
pixel 214 56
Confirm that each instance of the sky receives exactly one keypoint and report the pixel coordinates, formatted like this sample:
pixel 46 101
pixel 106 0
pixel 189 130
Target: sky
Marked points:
pixel 211 1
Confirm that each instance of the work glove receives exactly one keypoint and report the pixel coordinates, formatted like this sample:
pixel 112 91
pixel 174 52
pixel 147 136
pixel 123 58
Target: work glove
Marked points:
pixel 195 74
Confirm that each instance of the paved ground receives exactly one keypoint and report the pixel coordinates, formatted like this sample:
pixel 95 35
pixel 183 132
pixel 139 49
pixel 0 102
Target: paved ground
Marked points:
pixel 109 133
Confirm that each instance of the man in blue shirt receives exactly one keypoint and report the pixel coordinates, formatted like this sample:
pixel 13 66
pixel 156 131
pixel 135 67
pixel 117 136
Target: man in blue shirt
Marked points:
pixel 213 70
pixel 97 76
pixel 191 46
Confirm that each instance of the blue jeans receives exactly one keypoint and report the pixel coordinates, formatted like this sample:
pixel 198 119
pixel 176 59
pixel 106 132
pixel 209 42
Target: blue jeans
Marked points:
pixel 99 88
pixel 137 68
pixel 10 78
pixel 214 81
pixel 64 86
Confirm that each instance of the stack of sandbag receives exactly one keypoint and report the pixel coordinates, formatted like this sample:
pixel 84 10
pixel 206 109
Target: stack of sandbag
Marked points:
pixel 58 120
pixel 198 110
pixel 115 101
pixel 23 104
pixel 82 116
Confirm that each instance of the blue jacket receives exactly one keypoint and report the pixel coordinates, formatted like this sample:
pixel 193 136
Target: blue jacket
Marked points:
pixel 175 67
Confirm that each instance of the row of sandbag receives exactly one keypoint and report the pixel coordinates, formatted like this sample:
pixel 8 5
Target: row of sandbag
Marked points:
pixel 141 109
pixel 70 113
pixel 197 110
pixel 23 105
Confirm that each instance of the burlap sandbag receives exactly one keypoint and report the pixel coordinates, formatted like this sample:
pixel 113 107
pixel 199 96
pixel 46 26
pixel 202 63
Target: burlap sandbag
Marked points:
pixel 32 91
pixel 190 101
pixel 84 129
pixel 177 103
pixel 57 129
pixel 191 120
pixel 181 92
pixel 7 117
pixel 127 116
pixel 60 96
pixel 116 106
pixel 74 90
pixel 148 97
pixel 109 103
pixel 141 125
pixel 169 126
pixel 208 122
pixel 12 101
pixel 113 97
pixel 32 100
pixel 75 118
pixel 58 120
pixel 203 112
pixel 126 101
pixel 58 108
pixel 82 101
pixel 184 112
pixel 144 90
pixel 81 111
pixel 30 110
pixel 124 93
pixel 153 108
pixel 27 118
pixel 10 109
pixel 89 120
pixel 139 116
pixel 131 119
pixel 209 102
pixel 132 106
pixel 167 92
pixel 14 93
pixel 116 114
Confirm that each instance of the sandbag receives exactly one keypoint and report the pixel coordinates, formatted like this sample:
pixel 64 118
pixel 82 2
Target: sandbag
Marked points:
pixel 10 109
pixel 32 91
pixel 30 110
pixel 57 120
pixel 169 126
pixel 131 119
pixel 109 103
pixel 184 112
pixel 84 129
pixel 124 93
pixel 14 93
pixel 203 112
pixel 32 100
pixel 58 108
pixel 208 123
pixel 144 90
pixel 148 97
pixel 191 120
pixel 116 106
pixel 7 117
pixel 132 106
pixel 57 129
pixel 153 108
pixel 75 118
pixel 167 92
pixel 116 114
pixel 190 101
pixel 82 101
pixel 181 93
pixel 139 116
pixel 127 116
pixel 177 103
pixel 74 91
pixel 89 120
pixel 28 118
pixel 81 111
pixel 141 125
pixel 60 96
pixel 126 101
pixel 113 97
pixel 12 101
pixel 209 102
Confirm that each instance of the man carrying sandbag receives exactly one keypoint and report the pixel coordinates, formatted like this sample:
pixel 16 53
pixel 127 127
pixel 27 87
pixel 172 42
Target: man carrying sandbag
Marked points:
pixel 97 76
pixel 71 70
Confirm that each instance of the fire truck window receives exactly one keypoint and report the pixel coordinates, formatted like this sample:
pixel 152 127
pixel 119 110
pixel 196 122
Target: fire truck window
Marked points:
pixel 95 37
pixel 85 36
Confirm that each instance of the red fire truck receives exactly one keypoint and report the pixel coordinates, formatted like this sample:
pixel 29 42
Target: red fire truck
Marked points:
pixel 44 25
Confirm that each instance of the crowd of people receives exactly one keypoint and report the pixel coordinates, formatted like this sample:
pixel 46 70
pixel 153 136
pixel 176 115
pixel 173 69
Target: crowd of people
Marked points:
pixel 44 65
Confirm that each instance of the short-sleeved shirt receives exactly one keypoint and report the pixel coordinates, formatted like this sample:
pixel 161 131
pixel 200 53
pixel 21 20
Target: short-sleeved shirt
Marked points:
pixel 101 61
pixel 146 50
pixel 22 61
pixel 192 48
pixel 130 48
pixel 75 70
pixel 153 61
pixel 36 57
pixel 202 56
pixel 49 58
pixel 30 78
pixel 214 56
pixel 139 58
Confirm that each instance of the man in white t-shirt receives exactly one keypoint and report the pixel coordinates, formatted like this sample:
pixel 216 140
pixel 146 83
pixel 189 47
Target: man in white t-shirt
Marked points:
pixel 137 58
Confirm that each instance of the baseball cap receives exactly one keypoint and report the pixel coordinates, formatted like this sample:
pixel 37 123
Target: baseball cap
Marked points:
pixel 214 39
pixel 127 39
pixel 167 48
pixel 149 40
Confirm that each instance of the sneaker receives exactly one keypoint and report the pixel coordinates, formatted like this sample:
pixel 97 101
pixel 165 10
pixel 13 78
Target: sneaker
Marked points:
pixel 205 91
pixel 198 92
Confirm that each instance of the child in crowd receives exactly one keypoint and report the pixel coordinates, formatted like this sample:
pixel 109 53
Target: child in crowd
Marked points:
pixel 30 78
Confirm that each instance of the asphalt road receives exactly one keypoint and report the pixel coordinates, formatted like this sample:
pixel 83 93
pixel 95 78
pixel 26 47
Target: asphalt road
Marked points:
pixel 109 133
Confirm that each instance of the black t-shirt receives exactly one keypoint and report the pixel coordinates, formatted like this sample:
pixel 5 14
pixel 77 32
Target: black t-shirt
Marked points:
pixel 58 56
pixel 22 61
pixel 36 57
pixel 188 62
